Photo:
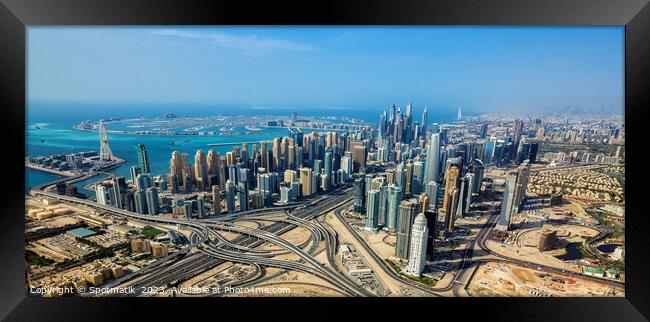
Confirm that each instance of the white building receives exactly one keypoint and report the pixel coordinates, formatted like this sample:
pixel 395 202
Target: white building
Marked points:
pixel 101 194
pixel 619 253
pixel 285 194
pixel 418 249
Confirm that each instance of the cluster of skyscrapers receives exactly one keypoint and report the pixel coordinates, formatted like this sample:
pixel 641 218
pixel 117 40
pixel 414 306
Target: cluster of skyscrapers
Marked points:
pixel 406 175
pixel 438 172
pixel 143 198
pixel 281 170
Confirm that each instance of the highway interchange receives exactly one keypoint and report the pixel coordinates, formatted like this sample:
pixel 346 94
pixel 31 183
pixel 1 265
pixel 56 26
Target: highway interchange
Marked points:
pixel 208 248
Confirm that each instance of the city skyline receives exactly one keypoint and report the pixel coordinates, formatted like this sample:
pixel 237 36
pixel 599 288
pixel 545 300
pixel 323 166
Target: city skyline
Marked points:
pixel 479 68
pixel 425 188
pixel 401 210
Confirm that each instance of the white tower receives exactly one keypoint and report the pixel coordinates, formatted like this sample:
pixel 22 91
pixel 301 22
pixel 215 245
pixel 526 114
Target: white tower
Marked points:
pixel 460 115
pixel 105 153
pixel 418 248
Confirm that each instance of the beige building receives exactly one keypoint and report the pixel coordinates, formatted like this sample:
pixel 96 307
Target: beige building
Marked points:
pixel 158 250
pixel 140 245
pixel 305 181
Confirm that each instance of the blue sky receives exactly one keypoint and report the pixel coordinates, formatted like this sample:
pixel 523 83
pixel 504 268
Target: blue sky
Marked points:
pixel 478 68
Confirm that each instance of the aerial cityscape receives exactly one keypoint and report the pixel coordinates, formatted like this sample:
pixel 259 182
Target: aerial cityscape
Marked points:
pixel 378 199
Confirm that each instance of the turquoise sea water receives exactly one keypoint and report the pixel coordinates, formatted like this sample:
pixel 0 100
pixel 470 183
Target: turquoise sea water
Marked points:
pixel 34 177
pixel 56 135
pixel 62 138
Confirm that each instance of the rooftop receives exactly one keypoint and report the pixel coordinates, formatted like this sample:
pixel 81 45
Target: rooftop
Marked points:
pixel 81 232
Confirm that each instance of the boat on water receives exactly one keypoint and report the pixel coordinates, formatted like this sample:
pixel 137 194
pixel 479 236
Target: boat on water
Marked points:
pixel 37 127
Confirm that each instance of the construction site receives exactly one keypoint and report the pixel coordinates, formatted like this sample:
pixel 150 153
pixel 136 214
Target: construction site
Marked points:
pixel 505 279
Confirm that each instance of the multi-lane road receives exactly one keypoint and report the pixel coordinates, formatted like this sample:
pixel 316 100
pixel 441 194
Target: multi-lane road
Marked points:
pixel 208 248
pixel 213 249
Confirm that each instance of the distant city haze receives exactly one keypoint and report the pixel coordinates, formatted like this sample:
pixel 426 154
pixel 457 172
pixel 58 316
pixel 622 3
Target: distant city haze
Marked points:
pixel 225 70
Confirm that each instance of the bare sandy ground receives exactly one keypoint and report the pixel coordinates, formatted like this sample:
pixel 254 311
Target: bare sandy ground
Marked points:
pixel 505 279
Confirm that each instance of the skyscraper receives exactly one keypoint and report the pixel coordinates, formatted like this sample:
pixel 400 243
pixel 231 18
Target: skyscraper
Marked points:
pixel 245 158
pixel 135 171
pixel 328 167
pixel 418 246
pixel 450 199
pixel 185 166
pixel 140 200
pixel 424 122
pixel 346 165
pixel 523 172
pixel 284 150
pixel 423 202
pixel 463 190
pixel 153 205
pixel 143 158
pixel 476 167
pixel 201 169
pixel 101 194
pixel 233 173
pixel 432 220
pixel 417 181
pixel 507 202
pixel 143 181
pixel 432 165
pixel 230 197
pixel 306 181
pixel 372 209
pixel 119 190
pixel 359 153
pixel 265 186
pixel 394 197
pixel 213 163
pixel 242 188
pixel 201 212
pixel 277 154
pixel 216 200
pixel 359 195
pixel 408 209
pixel 176 166
pixel 400 177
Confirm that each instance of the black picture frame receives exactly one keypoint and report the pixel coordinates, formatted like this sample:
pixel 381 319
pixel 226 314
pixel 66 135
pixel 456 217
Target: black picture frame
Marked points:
pixel 17 15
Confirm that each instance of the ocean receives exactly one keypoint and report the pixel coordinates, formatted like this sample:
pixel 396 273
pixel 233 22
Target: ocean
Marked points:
pixel 56 133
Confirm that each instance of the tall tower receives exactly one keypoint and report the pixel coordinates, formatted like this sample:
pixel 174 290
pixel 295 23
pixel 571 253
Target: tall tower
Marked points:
pixel 201 167
pixel 230 196
pixel 143 158
pixel 418 246
pixel 460 115
pixel 450 200
pixel 359 195
pixel 176 166
pixel 509 192
pixel 305 181
pixel 408 209
pixel 213 163
pixel 372 209
pixel 264 154
pixel 432 165
pixel 394 196
pixel 424 122
pixel 105 153
pixel 277 154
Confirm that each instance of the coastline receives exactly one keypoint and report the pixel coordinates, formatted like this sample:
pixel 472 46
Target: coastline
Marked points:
pixel 189 133
pixel 52 171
